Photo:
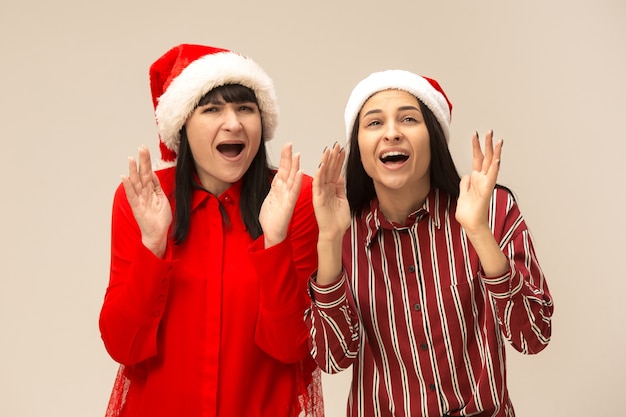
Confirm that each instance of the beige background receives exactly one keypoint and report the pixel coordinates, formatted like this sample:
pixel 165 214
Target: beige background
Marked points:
pixel 547 76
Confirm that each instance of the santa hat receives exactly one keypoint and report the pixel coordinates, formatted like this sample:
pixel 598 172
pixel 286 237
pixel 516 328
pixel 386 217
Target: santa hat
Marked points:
pixel 427 90
pixel 185 73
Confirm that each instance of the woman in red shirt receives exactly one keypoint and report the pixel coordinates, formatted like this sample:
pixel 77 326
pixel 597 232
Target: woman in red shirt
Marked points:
pixel 210 254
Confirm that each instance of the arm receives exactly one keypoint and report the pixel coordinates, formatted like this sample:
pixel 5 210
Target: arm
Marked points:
pixel 283 270
pixel 284 258
pixel 334 326
pixel 509 267
pixel 139 278
pixel 523 301
pixel 332 320
pixel 138 287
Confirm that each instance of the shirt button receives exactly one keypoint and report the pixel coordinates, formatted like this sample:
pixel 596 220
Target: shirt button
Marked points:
pixel 412 268
pixel 164 281
pixel 424 346
pixel 432 387
pixel 161 297
pixel 417 307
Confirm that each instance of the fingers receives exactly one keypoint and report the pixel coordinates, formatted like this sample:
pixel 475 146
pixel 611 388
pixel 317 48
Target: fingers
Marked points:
pixel 141 179
pixel 133 176
pixel 295 175
pixel 477 153
pixel 331 165
pixel 156 183
pixel 491 157
pixel 337 158
pixel 145 166
pixel 488 151
pixel 284 167
pixel 320 174
pixel 494 168
pixel 131 194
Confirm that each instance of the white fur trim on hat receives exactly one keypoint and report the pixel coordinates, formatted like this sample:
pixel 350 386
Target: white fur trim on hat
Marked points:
pixel 401 80
pixel 201 76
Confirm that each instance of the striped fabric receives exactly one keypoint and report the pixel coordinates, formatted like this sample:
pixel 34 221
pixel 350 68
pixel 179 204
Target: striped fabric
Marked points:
pixel 422 327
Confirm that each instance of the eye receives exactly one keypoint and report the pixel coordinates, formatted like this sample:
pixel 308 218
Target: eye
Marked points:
pixel 248 108
pixel 374 122
pixel 210 109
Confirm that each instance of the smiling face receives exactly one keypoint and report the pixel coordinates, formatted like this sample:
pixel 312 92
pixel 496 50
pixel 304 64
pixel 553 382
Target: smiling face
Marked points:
pixel 224 138
pixel 394 145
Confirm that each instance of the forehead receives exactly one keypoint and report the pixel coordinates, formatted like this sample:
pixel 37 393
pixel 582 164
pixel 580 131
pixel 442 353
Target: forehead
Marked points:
pixel 389 97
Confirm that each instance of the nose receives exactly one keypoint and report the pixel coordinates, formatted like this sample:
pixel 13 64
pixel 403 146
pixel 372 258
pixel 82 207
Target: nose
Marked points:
pixel 392 133
pixel 231 120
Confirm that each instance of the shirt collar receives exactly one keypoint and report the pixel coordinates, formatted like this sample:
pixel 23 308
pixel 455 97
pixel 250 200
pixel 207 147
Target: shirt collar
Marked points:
pixel 432 210
pixel 230 196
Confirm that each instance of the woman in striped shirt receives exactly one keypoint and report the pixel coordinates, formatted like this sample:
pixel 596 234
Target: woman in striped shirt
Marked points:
pixel 422 276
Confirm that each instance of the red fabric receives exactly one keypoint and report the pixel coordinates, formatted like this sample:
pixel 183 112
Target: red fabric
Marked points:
pixel 172 63
pixel 216 328
pixel 438 87
pixel 167 68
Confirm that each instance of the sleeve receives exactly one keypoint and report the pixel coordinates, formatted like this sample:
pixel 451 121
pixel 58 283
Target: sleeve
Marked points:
pixel 138 287
pixel 523 301
pixel 334 326
pixel 283 272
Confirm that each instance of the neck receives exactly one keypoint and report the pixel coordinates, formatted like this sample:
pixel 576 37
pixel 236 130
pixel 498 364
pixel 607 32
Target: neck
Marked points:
pixel 397 205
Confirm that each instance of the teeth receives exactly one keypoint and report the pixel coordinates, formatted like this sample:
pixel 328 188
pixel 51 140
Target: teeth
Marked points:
pixel 393 153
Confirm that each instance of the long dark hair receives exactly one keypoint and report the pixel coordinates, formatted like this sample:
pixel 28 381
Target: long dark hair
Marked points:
pixel 255 183
pixel 443 173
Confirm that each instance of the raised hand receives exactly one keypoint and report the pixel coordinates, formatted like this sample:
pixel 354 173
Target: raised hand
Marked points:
pixel 278 206
pixel 148 202
pixel 332 210
pixel 476 189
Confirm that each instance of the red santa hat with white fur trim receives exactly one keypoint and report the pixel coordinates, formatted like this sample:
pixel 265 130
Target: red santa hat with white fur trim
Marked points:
pixel 185 73
pixel 427 90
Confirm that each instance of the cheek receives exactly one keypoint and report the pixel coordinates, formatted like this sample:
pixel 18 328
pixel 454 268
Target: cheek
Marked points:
pixel 253 127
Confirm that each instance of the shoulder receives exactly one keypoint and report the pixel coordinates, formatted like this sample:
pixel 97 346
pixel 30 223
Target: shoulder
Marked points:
pixel 503 192
pixel 167 178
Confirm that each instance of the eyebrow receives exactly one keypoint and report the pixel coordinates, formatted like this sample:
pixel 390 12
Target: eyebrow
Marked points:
pixel 403 108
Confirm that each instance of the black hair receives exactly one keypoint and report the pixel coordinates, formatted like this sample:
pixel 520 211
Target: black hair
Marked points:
pixel 360 189
pixel 256 181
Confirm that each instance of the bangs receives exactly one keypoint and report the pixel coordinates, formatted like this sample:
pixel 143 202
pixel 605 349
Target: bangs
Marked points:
pixel 230 93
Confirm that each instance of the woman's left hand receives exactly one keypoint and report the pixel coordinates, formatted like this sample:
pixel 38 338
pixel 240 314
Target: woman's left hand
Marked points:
pixel 279 204
pixel 476 189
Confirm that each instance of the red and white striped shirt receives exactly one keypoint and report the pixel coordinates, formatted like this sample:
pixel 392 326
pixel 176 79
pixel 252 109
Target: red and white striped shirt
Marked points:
pixel 421 325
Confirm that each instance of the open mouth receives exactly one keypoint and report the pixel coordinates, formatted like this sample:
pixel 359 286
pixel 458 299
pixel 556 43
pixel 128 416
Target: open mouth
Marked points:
pixel 393 157
pixel 230 149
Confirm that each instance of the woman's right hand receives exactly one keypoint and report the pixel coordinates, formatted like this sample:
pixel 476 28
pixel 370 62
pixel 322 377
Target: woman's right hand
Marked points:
pixel 332 210
pixel 148 202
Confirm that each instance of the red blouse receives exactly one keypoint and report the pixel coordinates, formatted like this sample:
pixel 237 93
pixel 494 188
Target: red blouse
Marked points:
pixel 216 327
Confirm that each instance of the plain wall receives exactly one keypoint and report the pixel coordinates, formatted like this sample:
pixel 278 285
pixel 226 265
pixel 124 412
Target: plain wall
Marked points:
pixel 547 76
